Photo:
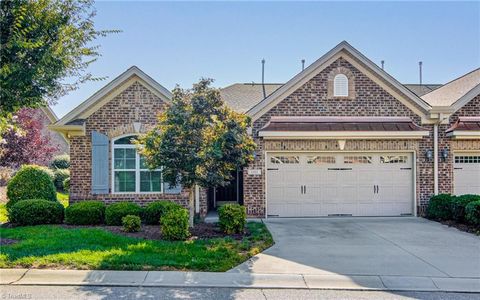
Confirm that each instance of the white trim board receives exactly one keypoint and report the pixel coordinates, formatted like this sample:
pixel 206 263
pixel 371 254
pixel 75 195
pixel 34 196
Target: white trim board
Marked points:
pixel 111 90
pixel 464 134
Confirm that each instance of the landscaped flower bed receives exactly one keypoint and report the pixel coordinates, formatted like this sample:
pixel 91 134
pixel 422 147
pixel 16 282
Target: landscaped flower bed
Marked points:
pixel 88 247
pixel 462 212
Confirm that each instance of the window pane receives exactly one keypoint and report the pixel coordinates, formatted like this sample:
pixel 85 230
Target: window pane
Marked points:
pixel 125 140
pixel 150 181
pixel 130 153
pixel 285 159
pixel 143 163
pixel 130 163
pixel 124 181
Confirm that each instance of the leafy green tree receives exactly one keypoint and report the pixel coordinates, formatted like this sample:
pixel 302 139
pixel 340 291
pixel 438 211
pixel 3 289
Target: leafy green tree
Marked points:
pixel 198 140
pixel 46 47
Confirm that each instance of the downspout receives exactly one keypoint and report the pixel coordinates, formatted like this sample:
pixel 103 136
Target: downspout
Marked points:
pixel 435 158
pixel 435 153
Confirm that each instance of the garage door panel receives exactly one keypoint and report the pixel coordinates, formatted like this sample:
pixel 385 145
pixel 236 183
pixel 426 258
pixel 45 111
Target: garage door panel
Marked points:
pixel 466 173
pixel 342 184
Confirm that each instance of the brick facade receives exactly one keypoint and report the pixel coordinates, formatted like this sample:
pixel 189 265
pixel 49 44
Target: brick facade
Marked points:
pixel 315 99
pixel 136 104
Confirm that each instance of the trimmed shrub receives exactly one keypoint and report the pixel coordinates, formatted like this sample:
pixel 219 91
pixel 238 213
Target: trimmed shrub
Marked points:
pixel 59 177
pixel 439 207
pixel 174 224
pixel 31 182
pixel 472 213
pixel 131 223
pixel 458 205
pixel 155 210
pixel 66 185
pixel 36 212
pixel 61 162
pixel 115 212
pixel 232 218
pixel 85 213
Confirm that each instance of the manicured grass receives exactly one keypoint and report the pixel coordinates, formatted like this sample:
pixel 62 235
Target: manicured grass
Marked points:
pixel 94 248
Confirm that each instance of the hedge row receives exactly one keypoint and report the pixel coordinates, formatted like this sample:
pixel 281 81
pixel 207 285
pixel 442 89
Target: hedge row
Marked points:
pixel 464 208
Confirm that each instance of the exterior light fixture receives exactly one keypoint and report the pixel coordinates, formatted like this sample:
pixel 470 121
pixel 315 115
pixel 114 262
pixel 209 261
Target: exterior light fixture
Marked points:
pixel 428 155
pixel 444 154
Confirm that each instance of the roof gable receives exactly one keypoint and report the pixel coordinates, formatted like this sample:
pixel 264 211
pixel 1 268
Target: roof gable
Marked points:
pixel 457 92
pixel 360 62
pixel 112 89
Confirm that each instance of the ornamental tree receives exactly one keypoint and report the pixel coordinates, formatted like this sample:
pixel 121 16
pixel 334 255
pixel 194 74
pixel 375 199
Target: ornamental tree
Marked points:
pixel 29 144
pixel 198 140
pixel 44 43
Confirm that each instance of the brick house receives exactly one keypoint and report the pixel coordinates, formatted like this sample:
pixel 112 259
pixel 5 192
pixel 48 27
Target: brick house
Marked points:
pixel 342 137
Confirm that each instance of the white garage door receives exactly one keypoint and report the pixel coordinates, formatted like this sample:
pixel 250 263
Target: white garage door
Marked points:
pixel 325 184
pixel 466 173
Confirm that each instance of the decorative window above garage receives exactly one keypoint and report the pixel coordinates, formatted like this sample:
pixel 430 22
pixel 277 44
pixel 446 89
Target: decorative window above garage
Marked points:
pixel 341 84
pixel 285 159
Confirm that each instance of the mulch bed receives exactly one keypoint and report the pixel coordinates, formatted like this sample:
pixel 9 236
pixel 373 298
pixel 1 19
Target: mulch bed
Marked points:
pixel 152 232
pixel 462 227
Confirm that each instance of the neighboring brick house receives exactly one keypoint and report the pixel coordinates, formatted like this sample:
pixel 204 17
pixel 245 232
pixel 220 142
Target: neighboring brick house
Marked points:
pixel 342 137
pixel 49 117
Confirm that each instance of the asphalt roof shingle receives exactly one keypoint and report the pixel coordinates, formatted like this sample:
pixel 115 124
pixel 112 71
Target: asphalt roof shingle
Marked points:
pixel 454 90
pixel 243 96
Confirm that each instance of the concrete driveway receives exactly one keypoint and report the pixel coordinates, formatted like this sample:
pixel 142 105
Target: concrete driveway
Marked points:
pixel 403 246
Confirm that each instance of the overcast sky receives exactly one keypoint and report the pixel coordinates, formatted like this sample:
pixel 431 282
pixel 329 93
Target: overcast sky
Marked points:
pixel 179 42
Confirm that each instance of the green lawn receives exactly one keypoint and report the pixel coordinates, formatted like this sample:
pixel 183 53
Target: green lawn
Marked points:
pixel 62 197
pixel 52 246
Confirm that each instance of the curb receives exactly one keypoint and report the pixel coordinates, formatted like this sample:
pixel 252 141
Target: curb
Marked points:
pixel 236 280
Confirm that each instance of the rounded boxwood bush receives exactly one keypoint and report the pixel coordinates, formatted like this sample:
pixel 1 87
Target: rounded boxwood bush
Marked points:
pixel 66 185
pixel 85 213
pixel 61 162
pixel 31 182
pixel 439 207
pixel 131 223
pixel 36 212
pixel 115 212
pixel 174 224
pixel 232 218
pixel 472 212
pixel 59 177
pixel 155 210
pixel 459 204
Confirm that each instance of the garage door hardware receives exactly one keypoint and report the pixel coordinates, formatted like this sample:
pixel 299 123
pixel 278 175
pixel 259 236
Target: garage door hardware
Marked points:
pixel 405 168
pixel 272 169
pixel 375 189
pixel 339 169
pixel 458 168
pixel 303 189
pixel 340 215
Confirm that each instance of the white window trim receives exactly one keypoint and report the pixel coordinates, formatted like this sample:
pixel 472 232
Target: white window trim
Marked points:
pixel 335 90
pixel 137 169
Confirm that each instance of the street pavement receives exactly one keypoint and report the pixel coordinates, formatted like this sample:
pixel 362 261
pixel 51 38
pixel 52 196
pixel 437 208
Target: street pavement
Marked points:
pixel 105 293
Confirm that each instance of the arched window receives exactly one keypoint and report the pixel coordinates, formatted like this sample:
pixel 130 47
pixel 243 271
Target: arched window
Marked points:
pixel 130 173
pixel 340 86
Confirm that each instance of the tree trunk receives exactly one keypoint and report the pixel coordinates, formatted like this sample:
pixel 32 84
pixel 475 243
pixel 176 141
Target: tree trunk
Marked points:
pixel 191 206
